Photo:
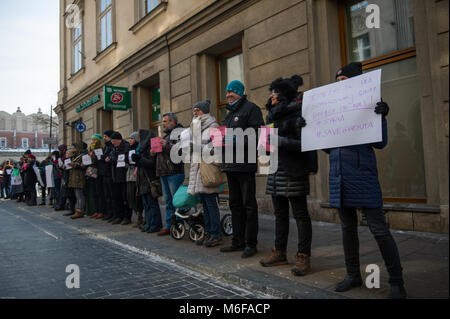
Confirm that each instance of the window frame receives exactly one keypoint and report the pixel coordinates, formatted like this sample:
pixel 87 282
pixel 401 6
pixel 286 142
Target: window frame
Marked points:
pixel 6 142
pixel 377 61
pixel 100 16
pixel 372 62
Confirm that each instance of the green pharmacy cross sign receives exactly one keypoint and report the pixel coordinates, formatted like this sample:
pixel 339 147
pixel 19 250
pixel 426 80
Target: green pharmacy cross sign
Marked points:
pixel 116 98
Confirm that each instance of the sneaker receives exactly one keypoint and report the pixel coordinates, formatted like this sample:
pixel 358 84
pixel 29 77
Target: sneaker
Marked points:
pixel 249 252
pixel 230 249
pixel 200 242
pixel 302 265
pixel 213 242
pixel 276 258
pixel 164 232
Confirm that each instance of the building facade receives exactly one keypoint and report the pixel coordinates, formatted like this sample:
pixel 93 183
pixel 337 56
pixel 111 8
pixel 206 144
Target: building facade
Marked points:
pixel 170 54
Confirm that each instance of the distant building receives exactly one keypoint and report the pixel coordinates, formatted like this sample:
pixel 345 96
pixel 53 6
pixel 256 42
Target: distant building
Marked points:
pixel 20 131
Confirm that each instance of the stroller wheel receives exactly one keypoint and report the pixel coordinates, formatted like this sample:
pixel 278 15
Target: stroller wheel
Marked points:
pixel 227 226
pixel 196 232
pixel 177 231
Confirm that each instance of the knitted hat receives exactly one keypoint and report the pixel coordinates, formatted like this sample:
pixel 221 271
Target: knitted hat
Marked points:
pixel 116 136
pixel 297 80
pixel 236 87
pixel 135 136
pixel 97 137
pixel 108 133
pixel 203 105
pixel 284 87
pixel 350 70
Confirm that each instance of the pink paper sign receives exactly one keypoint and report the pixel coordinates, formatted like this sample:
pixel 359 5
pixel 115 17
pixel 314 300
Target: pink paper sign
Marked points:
pixel 155 144
pixel 217 134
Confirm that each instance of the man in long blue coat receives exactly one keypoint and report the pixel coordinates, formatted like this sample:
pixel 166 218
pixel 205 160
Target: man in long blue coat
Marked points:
pixel 354 184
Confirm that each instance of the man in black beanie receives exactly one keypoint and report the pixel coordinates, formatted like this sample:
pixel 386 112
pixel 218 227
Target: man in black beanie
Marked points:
pixel 122 212
pixel 105 173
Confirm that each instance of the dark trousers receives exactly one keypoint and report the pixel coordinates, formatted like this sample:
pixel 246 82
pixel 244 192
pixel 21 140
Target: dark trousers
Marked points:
pixel 304 227
pixel 379 229
pixel 108 195
pixel 100 199
pixel 121 209
pixel 244 208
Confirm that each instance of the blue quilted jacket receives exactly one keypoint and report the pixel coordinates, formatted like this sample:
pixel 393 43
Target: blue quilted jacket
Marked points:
pixel 354 175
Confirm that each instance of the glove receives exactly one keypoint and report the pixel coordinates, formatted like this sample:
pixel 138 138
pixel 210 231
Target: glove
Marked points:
pixel 301 122
pixel 382 108
pixel 136 158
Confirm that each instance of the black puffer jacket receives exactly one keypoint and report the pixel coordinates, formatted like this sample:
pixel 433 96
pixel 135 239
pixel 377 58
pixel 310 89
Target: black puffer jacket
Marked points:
pixel 104 168
pixel 119 174
pixel 244 114
pixel 146 164
pixel 292 176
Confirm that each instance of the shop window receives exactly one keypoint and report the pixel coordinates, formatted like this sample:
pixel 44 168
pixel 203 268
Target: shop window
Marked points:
pixel 391 49
pixel 155 112
pixel 229 67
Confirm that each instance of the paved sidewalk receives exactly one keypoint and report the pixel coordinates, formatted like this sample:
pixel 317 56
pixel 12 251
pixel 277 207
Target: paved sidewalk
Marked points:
pixel 424 258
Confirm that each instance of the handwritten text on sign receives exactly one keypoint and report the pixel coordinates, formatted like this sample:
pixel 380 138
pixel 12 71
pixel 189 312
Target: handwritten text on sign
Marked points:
pixel 342 113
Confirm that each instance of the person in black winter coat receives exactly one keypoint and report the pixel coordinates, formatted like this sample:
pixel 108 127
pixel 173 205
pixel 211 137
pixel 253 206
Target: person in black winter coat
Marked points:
pixel 122 213
pixel 241 177
pixel 290 183
pixel 105 174
pixel 146 174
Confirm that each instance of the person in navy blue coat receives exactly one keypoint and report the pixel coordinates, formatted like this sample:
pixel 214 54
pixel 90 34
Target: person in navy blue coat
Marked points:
pixel 353 182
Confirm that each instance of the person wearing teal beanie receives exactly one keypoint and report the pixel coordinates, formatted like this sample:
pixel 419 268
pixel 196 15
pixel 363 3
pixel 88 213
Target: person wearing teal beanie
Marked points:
pixel 97 137
pixel 236 87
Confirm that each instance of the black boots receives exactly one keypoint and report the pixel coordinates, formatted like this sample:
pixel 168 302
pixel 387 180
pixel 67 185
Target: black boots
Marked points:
pixel 397 292
pixel 348 283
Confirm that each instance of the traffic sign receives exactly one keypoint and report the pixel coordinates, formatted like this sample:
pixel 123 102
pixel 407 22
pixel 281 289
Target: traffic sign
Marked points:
pixel 80 127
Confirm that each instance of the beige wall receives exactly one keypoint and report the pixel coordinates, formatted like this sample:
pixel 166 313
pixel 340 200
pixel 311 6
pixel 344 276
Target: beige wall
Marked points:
pixel 178 50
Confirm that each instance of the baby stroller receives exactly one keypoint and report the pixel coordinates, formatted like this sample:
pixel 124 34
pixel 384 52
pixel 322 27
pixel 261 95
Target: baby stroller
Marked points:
pixel 189 215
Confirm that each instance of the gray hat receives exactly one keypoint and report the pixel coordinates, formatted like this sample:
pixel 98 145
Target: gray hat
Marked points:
pixel 135 136
pixel 203 105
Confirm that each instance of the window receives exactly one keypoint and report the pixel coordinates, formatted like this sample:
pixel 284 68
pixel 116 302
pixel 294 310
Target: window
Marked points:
pixel 391 49
pixel 3 142
pixel 155 113
pixel 25 125
pixel 25 142
pixel 147 5
pixel 230 67
pixel 77 49
pixel 105 24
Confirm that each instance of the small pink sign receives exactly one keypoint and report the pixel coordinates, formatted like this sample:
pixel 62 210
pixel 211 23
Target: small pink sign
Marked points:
pixel 155 144
pixel 217 134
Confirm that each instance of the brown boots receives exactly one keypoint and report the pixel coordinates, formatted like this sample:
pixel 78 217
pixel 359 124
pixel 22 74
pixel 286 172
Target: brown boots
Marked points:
pixel 277 258
pixel 302 265
pixel 78 214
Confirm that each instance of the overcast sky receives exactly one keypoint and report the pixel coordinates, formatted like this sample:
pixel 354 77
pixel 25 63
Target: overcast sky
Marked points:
pixel 29 55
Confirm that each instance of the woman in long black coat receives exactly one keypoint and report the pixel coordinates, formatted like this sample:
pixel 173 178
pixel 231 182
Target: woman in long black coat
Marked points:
pixel 290 183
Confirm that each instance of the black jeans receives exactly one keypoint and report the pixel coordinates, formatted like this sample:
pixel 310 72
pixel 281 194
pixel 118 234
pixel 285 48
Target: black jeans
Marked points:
pixel 244 208
pixel 304 227
pixel 99 190
pixel 379 229
pixel 108 195
pixel 121 209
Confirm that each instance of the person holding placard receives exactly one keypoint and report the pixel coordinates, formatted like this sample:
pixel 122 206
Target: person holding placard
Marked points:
pixel 171 174
pixel 93 180
pixel 122 213
pixel 290 183
pixel 105 173
pixel 241 177
pixel 353 182
pixel 77 179
pixel 134 202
